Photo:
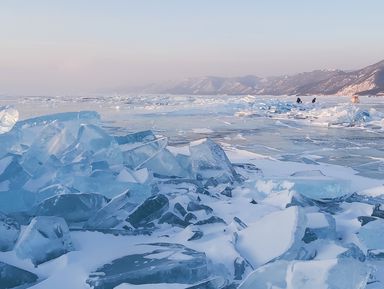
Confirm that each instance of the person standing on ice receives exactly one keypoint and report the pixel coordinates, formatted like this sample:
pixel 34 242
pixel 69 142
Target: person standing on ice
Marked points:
pixel 355 99
pixel 298 100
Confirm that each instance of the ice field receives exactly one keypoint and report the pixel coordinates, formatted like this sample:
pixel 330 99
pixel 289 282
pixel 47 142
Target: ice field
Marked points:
pixel 191 192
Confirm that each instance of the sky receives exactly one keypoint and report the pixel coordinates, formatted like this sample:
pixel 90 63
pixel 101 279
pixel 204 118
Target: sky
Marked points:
pixel 73 47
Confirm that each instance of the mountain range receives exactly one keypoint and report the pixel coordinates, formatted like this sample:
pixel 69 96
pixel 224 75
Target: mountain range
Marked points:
pixel 365 81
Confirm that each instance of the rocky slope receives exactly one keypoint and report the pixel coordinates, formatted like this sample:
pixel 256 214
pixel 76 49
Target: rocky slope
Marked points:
pixel 366 81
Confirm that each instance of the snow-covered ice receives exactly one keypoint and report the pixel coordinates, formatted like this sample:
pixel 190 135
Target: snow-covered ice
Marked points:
pixel 275 195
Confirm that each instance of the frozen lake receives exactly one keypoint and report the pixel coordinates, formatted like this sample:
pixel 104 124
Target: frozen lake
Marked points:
pixel 330 131
pixel 272 201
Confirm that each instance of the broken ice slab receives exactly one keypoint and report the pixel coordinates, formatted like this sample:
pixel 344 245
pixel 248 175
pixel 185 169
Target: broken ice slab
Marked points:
pixel 52 140
pixel 104 183
pixel 210 161
pixel 12 173
pixel 179 186
pixel 113 213
pixel 372 235
pixel 271 275
pixel 13 277
pixel 8 118
pixel 344 273
pixel 53 190
pixel 194 206
pixel 341 273
pixel 158 263
pixel 151 209
pixel 323 189
pixel 211 220
pixel 131 139
pixel 240 266
pixel 44 239
pixel 165 164
pixel 9 232
pixel 25 132
pixel 272 236
pixel 319 226
pixel 137 154
pixel 247 170
pixel 179 209
pixel 172 219
pixel 13 197
pixel 79 117
pixel 151 153
pixel 73 208
pixel 93 144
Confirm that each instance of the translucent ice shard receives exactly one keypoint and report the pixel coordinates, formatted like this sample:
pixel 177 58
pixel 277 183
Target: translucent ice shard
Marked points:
pixel 8 118
pixel 130 140
pixel 52 141
pixel 372 234
pixel 137 154
pixel 332 273
pixel 172 219
pixel 69 117
pixel 344 273
pixel 323 189
pixel 151 209
pixel 166 164
pixel 319 226
pixel 269 276
pixel 210 161
pixel 271 236
pixel 112 214
pixel 13 197
pixel 25 132
pixel 13 277
pixel 73 208
pixel 159 263
pixel 93 144
pixel 44 239
pixel 143 149
pixel 9 232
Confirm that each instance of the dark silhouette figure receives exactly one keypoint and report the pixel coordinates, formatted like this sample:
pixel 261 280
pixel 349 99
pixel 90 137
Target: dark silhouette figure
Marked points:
pixel 314 100
pixel 298 100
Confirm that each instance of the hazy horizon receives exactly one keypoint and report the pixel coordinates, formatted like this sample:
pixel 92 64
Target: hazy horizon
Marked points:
pixel 78 47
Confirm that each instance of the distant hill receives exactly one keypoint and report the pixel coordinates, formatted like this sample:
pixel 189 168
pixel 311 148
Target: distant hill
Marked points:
pixel 369 80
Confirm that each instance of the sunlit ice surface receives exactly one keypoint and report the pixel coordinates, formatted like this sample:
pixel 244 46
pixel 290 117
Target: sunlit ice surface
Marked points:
pixel 332 130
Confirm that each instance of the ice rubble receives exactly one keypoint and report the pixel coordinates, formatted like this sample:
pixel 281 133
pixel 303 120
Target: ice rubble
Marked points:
pixel 325 113
pixel 188 216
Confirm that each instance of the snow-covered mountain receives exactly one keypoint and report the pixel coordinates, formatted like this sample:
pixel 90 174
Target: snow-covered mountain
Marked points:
pixel 369 80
